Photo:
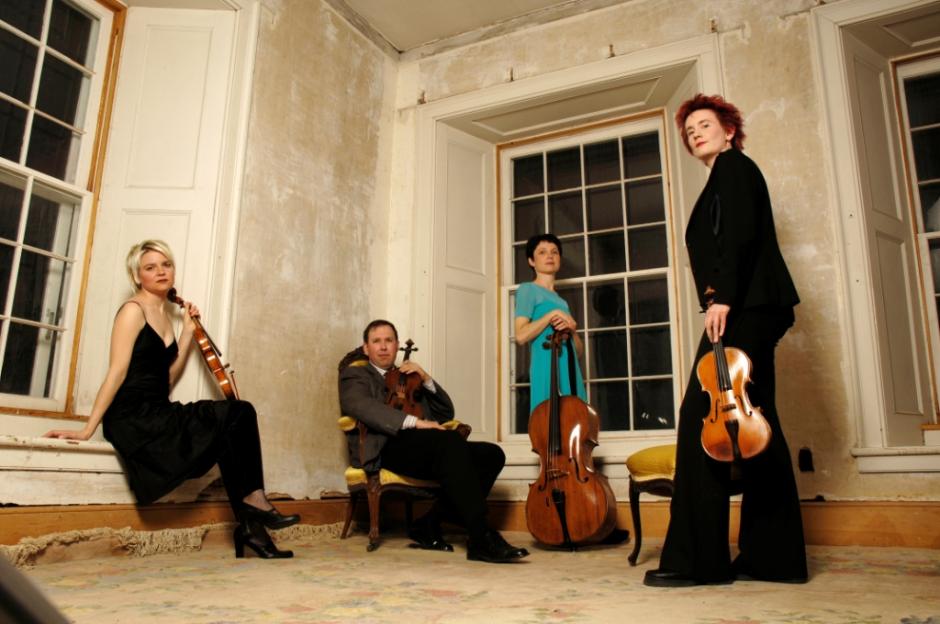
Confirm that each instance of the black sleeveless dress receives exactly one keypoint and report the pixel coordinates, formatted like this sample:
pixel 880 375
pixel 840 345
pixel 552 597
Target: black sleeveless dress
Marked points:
pixel 160 443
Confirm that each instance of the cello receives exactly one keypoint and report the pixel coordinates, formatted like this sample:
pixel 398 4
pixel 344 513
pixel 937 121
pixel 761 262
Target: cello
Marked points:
pixel 733 429
pixel 210 353
pixel 570 503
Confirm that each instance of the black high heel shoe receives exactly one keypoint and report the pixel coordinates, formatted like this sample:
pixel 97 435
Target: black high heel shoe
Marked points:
pixel 257 539
pixel 270 518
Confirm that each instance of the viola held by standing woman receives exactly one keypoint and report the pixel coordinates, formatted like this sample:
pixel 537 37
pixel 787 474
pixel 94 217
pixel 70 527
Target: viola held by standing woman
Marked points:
pixel 162 443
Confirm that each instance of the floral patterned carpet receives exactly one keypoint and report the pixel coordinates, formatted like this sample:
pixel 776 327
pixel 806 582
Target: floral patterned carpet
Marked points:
pixel 332 580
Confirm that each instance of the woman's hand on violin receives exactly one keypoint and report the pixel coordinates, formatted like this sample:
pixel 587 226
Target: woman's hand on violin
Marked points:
pixel 190 312
pixel 68 434
pixel 716 318
pixel 429 424
pixel 413 367
pixel 562 322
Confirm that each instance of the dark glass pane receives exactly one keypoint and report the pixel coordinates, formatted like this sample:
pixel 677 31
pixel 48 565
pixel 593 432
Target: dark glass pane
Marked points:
pixel 12 129
pixel 611 399
pixel 645 202
pixel 649 301
pixel 519 400
pixel 49 225
pixel 652 351
pixel 527 178
pixel 930 204
pixel 18 60
pixel 521 362
pixel 11 206
pixel 564 169
pixel 927 153
pixel 923 100
pixel 652 404
pixel 528 218
pixel 6 267
pixel 608 354
pixel 604 208
pixel 20 358
pixel 523 272
pixel 607 253
pixel 935 264
pixel 564 214
pixel 70 32
pixel 51 148
pixel 574 297
pixel 601 163
pixel 647 248
pixel 572 264
pixel 607 307
pixel 60 90
pixel 25 15
pixel 641 155
pixel 39 288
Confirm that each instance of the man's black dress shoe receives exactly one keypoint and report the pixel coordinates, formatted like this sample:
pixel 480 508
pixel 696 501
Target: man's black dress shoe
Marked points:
pixel 426 535
pixel 492 548
pixel 270 518
pixel 668 578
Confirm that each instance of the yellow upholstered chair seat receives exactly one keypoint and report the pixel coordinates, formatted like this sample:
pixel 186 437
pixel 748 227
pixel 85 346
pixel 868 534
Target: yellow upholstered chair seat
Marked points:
pixel 358 476
pixel 651 470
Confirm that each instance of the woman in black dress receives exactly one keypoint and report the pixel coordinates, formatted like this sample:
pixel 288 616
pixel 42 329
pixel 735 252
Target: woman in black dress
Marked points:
pixel 747 295
pixel 160 443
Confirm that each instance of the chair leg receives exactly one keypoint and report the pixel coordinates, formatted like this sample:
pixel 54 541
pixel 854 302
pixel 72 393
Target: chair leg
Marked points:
pixel 350 508
pixel 374 498
pixel 637 530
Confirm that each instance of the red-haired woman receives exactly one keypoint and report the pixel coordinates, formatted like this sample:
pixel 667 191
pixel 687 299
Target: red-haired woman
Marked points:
pixel 747 295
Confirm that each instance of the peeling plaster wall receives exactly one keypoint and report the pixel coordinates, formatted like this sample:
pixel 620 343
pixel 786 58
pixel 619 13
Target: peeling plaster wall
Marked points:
pixel 312 236
pixel 767 71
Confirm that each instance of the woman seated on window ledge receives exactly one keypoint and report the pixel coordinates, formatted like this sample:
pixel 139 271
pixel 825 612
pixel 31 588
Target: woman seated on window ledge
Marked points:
pixel 163 443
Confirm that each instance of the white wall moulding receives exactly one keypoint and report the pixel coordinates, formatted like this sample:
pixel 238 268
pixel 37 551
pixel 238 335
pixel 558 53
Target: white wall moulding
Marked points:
pixel 898 459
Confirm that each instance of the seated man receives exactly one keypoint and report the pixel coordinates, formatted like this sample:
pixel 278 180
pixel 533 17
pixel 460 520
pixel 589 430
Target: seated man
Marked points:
pixel 423 449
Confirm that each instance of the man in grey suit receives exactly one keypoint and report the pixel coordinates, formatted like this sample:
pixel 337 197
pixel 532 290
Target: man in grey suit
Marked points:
pixel 422 448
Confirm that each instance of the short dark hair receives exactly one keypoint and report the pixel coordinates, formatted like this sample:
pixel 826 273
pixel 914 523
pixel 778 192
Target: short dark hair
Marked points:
pixel 373 325
pixel 727 113
pixel 533 242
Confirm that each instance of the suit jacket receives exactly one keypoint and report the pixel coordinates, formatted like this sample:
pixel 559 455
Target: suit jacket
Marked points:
pixel 732 242
pixel 362 396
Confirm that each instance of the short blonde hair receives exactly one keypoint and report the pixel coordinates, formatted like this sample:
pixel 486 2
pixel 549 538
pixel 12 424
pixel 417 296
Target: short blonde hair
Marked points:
pixel 138 250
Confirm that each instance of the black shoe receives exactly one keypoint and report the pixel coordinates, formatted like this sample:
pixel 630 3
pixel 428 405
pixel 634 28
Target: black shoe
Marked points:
pixel 492 548
pixel 256 538
pixel 745 576
pixel 426 534
pixel 668 578
pixel 270 518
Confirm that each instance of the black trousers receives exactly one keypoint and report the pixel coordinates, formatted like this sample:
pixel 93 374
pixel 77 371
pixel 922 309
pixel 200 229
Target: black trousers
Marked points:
pixel 465 470
pixel 771 532
pixel 239 447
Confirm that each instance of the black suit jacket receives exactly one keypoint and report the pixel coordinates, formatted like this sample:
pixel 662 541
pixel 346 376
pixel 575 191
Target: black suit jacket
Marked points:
pixel 732 242
pixel 362 396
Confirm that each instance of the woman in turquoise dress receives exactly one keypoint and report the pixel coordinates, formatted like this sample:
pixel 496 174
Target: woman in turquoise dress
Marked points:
pixel 539 312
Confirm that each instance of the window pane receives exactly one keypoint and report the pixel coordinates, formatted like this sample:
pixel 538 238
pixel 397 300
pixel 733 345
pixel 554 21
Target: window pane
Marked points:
pixel 611 399
pixel 11 205
pixel 604 208
pixel 564 169
pixel 923 100
pixel 649 301
pixel 523 272
pixel 572 264
pixel 60 91
pixel 608 352
pixel 607 253
pixel 18 60
pixel 574 297
pixel 930 203
pixel 520 362
pixel 6 265
pixel 652 404
pixel 527 176
pixel 39 288
pixel 52 149
pixel 27 364
pixel 12 129
pixel 601 163
pixel 26 16
pixel 641 155
pixel 645 202
pixel 564 214
pixel 71 32
pixel 607 305
pixel 935 264
pixel 519 402
pixel 652 351
pixel 927 153
pixel 528 218
pixel 50 224
pixel 647 248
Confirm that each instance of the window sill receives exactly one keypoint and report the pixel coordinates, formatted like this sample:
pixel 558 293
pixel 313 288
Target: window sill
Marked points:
pixel 897 459
pixel 36 453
